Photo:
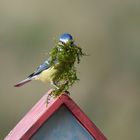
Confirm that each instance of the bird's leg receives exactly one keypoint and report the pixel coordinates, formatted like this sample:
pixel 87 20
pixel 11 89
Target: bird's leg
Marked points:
pixel 54 84
pixel 58 90
pixel 53 92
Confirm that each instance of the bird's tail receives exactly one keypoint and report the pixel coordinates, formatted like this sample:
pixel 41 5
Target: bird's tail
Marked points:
pixel 21 83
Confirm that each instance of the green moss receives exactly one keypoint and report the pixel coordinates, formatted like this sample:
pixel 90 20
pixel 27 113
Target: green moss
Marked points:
pixel 66 57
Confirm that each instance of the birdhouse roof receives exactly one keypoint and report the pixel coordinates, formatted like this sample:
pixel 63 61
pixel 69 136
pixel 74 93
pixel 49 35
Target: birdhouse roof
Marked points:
pixel 40 113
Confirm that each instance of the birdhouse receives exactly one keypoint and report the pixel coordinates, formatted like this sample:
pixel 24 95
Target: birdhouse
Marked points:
pixel 62 119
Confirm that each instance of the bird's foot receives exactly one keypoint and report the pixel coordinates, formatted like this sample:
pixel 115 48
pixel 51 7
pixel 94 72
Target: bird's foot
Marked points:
pixel 55 93
pixel 50 97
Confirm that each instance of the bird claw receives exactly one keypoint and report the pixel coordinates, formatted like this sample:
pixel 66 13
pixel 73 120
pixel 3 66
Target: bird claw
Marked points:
pixel 50 97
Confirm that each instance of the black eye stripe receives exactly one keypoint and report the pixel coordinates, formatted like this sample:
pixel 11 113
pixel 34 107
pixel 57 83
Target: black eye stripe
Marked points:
pixel 63 43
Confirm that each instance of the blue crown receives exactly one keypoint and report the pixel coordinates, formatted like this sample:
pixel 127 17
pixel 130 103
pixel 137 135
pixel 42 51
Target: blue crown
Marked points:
pixel 65 38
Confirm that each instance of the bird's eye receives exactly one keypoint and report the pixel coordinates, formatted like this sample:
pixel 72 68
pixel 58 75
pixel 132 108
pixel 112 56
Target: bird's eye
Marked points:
pixel 63 43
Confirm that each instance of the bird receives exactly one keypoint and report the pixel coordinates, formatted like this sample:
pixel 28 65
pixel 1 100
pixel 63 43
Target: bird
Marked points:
pixel 59 69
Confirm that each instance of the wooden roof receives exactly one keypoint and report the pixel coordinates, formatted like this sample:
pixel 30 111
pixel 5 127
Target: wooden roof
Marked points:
pixel 38 115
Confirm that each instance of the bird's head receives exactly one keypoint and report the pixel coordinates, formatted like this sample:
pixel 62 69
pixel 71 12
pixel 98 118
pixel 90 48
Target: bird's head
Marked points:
pixel 66 39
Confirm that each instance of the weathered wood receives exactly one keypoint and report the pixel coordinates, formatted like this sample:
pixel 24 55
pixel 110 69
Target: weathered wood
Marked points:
pixel 39 115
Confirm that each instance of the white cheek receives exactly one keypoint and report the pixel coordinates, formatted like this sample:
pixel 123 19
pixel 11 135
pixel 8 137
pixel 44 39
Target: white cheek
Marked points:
pixel 64 40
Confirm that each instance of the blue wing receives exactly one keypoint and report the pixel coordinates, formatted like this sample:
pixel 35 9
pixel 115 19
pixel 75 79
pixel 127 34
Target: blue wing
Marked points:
pixel 41 68
pixel 47 64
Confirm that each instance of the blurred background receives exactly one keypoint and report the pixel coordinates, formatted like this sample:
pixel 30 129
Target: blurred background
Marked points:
pixel 109 31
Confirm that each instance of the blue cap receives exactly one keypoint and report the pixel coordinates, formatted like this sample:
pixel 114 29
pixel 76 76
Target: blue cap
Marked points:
pixel 65 38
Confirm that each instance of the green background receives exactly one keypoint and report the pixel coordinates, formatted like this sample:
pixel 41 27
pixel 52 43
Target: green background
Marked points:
pixel 109 31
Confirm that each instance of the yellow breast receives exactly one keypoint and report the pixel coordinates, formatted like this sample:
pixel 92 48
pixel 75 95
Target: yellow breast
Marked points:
pixel 46 75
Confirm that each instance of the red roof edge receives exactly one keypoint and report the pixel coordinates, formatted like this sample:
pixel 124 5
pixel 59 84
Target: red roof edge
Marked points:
pixel 31 122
